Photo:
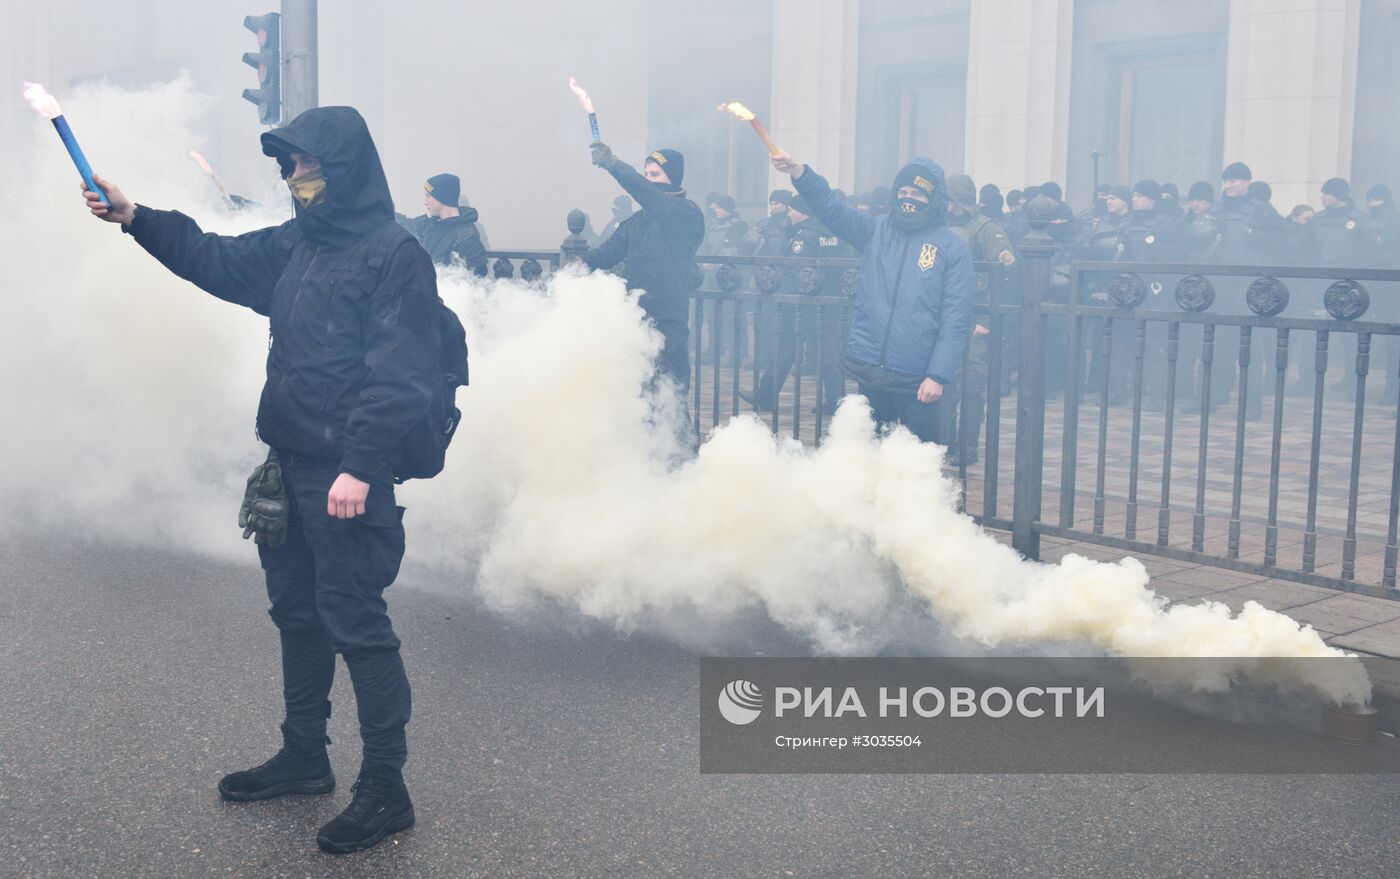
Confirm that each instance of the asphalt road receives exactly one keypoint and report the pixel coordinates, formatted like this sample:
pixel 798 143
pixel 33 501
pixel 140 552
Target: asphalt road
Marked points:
pixel 131 680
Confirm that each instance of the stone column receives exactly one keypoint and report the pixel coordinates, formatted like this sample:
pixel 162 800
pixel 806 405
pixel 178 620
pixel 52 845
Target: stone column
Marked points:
pixel 814 85
pixel 1290 92
pixel 1018 77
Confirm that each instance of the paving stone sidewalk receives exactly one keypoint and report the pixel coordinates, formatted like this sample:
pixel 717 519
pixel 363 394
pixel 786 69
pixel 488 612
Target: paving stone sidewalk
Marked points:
pixel 1353 622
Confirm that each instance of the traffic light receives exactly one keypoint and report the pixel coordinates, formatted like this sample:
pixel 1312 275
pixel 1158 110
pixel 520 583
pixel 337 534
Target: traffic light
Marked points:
pixel 267 61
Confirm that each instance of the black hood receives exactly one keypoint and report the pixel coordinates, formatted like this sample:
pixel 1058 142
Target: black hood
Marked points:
pixel 467 215
pixel 926 171
pixel 357 193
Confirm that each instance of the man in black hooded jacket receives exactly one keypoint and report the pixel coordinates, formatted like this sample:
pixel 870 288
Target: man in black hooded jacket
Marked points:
pixel 352 361
pixel 658 243
pixel 447 230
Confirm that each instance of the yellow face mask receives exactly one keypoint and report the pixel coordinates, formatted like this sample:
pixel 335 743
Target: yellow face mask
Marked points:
pixel 309 189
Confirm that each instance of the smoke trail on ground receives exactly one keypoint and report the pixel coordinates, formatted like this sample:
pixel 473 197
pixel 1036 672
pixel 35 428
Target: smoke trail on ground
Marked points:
pixel 134 397
pixel 565 483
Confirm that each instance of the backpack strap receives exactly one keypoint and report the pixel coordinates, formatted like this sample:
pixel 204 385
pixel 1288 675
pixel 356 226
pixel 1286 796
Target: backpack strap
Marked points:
pixel 383 242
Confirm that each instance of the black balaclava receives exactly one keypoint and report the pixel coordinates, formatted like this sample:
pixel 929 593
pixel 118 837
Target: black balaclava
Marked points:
pixel 621 208
pixel 673 163
pixel 357 197
pixel 911 215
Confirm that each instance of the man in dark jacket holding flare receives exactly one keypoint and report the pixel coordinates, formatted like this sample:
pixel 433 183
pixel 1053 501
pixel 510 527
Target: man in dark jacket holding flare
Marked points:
pixel 353 357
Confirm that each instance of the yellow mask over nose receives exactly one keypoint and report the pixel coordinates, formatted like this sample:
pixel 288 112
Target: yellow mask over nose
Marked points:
pixel 309 189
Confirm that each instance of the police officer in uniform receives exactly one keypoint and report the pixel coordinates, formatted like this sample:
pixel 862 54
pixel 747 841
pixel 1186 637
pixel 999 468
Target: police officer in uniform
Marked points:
pixel 1149 236
pixel 1169 204
pixel 1343 239
pixel 1248 231
pixel 807 238
pixel 1102 239
pixel 988 242
pixel 768 237
pixel 1343 235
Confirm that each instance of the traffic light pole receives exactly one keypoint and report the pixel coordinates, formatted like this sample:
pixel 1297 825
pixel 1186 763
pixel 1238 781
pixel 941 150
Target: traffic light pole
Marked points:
pixel 299 84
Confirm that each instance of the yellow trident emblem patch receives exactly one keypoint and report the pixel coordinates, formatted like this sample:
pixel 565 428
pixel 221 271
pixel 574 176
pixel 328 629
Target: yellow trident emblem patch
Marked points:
pixel 927 255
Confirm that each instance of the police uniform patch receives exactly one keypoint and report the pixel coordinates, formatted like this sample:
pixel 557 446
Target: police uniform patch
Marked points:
pixel 1351 224
pixel 1006 258
pixel 796 246
pixel 927 255
pixel 1151 239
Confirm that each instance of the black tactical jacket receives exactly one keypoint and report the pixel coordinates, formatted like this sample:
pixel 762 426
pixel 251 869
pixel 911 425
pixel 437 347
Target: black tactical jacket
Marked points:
pixel 658 243
pixel 353 356
pixel 449 238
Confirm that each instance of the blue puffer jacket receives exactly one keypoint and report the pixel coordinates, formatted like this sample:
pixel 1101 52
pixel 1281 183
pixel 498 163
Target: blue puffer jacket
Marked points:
pixel 913 312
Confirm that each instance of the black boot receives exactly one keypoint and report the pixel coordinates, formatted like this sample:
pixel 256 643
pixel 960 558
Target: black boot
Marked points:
pixel 381 806
pixel 301 767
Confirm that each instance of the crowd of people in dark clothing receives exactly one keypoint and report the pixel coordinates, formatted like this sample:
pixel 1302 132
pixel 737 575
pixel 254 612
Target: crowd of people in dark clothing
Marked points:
pixel 1234 223
pixel 1146 222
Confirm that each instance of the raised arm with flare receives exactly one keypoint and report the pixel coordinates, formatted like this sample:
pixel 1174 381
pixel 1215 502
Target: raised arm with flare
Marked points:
pixel 744 114
pixel 587 104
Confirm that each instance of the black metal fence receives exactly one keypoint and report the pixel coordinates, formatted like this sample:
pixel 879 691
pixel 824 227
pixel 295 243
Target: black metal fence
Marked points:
pixel 1285 481
pixel 1166 385
pixel 757 320
pixel 533 264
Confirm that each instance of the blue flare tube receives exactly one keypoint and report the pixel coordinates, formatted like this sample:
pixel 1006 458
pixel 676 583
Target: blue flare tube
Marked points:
pixel 593 124
pixel 76 152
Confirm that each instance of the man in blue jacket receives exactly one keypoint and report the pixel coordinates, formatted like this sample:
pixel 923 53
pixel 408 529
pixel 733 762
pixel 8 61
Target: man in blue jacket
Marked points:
pixel 913 311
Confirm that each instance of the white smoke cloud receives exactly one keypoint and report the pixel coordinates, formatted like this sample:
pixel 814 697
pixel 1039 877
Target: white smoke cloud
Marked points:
pixel 132 403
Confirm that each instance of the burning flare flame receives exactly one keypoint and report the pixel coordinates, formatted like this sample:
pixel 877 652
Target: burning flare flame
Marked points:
pixel 202 162
pixel 738 109
pixel 43 103
pixel 582 95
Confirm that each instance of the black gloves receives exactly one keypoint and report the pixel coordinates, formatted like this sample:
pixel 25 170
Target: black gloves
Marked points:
pixel 265 511
pixel 602 154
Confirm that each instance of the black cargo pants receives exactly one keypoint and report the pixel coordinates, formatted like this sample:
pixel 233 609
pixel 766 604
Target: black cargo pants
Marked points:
pixel 326 586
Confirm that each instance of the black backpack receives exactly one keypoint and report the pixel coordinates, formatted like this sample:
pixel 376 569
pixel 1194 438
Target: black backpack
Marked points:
pixel 423 451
